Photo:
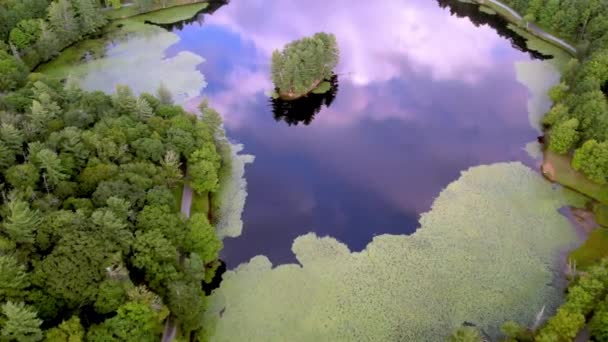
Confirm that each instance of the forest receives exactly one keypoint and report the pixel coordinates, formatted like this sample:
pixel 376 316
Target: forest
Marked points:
pixel 92 241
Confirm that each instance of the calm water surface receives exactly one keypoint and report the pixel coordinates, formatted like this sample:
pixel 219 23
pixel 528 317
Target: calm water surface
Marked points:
pixel 422 96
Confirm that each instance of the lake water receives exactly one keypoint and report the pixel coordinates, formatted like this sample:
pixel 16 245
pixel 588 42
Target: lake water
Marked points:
pixel 422 96
pixel 424 90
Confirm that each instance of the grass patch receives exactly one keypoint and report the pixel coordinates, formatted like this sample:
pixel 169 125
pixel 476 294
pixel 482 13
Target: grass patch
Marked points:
pixel 593 250
pixel 601 214
pixel 200 204
pixel 559 170
pixel 177 194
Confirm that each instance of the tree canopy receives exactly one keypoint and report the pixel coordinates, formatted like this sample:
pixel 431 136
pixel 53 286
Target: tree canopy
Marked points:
pixel 92 242
pixel 304 64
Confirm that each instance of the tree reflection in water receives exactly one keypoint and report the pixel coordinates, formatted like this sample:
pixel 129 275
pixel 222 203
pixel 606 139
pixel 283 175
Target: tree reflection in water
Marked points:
pixel 304 109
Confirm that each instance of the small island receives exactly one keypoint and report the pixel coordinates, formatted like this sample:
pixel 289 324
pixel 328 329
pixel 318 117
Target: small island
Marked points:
pixel 304 66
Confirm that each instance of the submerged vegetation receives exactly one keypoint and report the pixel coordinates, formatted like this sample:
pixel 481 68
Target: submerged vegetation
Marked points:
pixel 305 65
pixel 475 258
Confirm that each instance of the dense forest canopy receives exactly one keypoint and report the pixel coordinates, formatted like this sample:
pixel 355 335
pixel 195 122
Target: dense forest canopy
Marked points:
pixel 92 240
pixel 304 64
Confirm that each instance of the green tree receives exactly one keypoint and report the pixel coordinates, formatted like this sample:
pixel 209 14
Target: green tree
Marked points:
pixel 564 136
pixel 564 326
pixel 48 43
pixel 13 278
pixel 599 323
pixel 25 34
pixel 202 238
pixel 68 331
pixel 12 137
pixel 90 16
pixel 22 176
pixel 187 303
pixel 21 323
pixel 134 322
pixel 21 222
pixel 171 168
pixel 203 167
pixel 111 295
pixel 63 20
pixel 164 94
pixel 53 170
pixel 124 100
pixel 592 160
pixel 143 109
pixel 13 71
pixel 303 64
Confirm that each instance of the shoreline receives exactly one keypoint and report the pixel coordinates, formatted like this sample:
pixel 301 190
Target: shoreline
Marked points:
pixel 517 19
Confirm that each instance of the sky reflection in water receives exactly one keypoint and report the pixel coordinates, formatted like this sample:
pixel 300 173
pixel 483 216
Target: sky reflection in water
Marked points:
pixel 422 95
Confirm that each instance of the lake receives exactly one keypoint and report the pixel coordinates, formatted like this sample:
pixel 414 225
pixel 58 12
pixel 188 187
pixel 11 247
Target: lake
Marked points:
pixel 422 95
pixel 398 206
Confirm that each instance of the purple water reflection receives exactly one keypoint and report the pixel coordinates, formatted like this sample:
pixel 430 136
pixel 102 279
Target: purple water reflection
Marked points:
pixel 422 96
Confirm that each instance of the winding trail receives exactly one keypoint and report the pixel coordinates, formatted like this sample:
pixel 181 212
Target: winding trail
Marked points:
pixel 170 324
pixel 531 27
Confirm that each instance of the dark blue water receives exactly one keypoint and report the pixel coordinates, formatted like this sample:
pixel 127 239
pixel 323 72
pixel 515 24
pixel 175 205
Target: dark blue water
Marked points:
pixel 421 96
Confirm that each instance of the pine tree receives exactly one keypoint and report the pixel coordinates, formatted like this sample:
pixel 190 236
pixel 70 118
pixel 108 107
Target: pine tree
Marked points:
pixel 164 94
pixel 51 164
pixel 124 100
pixel 12 138
pixel 48 44
pixel 22 323
pixel 21 222
pixel 63 20
pixel 143 109
pixel 13 278
pixel 90 15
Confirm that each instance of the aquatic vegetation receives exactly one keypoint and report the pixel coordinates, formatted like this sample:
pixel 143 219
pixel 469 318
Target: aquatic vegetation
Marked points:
pixel 233 193
pixel 485 253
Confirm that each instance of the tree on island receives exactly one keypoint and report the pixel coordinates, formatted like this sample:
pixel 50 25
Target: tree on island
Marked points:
pixel 304 66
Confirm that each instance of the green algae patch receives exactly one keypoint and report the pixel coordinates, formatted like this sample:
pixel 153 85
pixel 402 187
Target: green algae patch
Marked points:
pixel 137 60
pixel 486 252
pixel 233 192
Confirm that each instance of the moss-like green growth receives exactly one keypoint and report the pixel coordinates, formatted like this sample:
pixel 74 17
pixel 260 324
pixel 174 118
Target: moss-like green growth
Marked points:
pixel 485 253
pixel 304 64
pixel 233 192
pixel 593 250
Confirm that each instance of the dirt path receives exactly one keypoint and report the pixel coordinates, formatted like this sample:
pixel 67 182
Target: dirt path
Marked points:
pixel 170 325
